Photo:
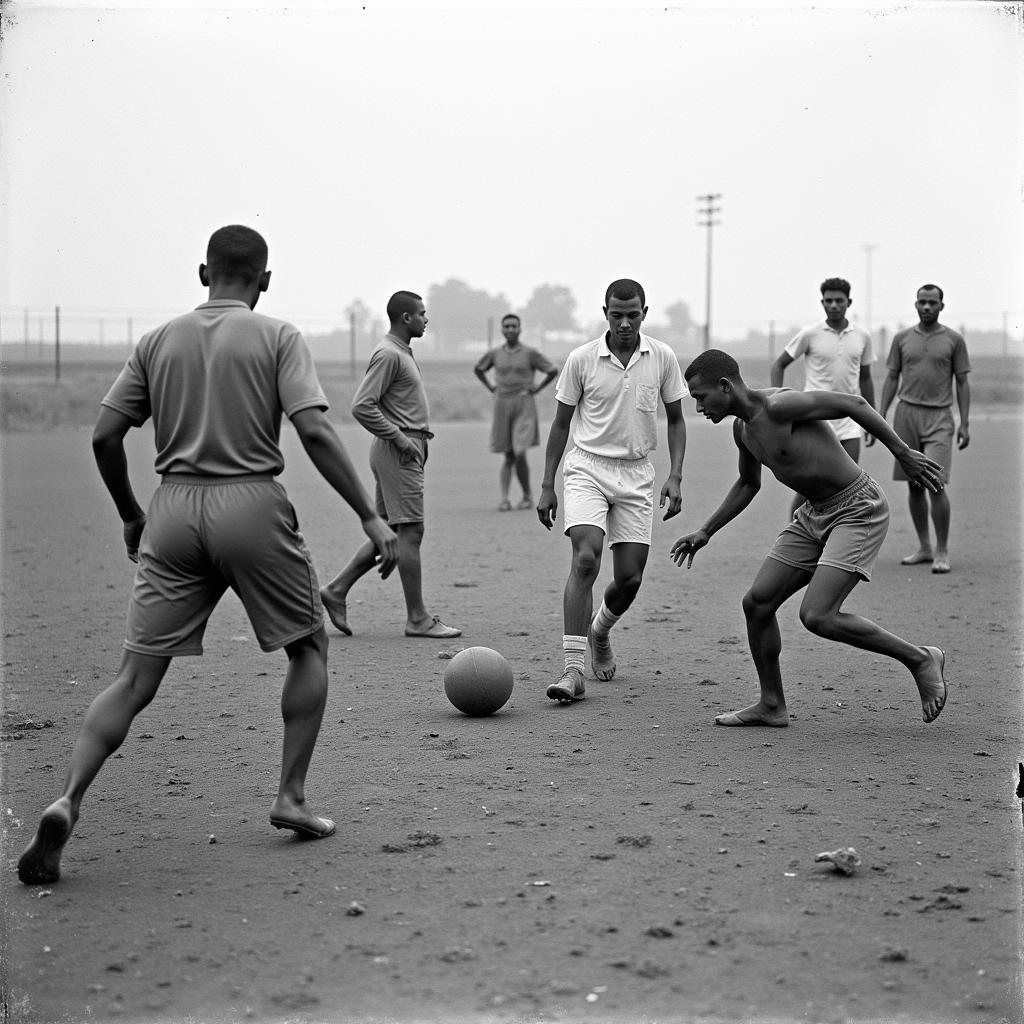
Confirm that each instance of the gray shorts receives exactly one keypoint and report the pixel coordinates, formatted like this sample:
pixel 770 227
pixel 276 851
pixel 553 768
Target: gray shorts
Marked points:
pixel 514 428
pixel 846 531
pixel 929 430
pixel 206 534
pixel 398 485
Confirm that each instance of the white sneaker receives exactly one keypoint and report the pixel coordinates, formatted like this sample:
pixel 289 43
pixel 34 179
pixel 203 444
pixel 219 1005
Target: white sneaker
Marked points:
pixel 569 688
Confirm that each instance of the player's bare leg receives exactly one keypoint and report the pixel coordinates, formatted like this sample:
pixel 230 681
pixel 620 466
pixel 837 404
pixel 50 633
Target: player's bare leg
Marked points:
pixel 577 610
pixel 822 614
pixel 774 584
pixel 523 476
pixel 940 520
pixel 629 561
pixel 303 700
pixel 104 728
pixel 505 481
pixel 334 595
pixel 917 503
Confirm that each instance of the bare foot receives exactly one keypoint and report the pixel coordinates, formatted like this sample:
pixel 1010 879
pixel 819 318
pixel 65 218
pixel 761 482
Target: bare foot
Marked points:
pixel 337 612
pixel 288 814
pixel 602 659
pixel 40 863
pixel 756 714
pixel 919 557
pixel 931 684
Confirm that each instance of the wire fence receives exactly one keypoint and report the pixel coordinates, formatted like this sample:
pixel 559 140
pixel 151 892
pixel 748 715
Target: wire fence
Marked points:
pixel 34 334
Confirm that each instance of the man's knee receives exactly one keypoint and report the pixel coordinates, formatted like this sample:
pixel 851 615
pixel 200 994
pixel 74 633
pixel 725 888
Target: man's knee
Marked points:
pixel 756 605
pixel 410 533
pixel 314 644
pixel 819 621
pixel 586 562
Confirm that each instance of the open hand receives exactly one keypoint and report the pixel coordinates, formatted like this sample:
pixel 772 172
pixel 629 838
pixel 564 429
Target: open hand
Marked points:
pixel 686 547
pixel 922 471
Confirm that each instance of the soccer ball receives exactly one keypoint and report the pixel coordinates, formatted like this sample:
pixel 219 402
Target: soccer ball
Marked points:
pixel 478 681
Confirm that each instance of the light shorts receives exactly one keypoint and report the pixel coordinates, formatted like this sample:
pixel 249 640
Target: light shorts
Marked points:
pixel 615 495
pixel 930 430
pixel 846 531
pixel 399 486
pixel 206 534
pixel 514 427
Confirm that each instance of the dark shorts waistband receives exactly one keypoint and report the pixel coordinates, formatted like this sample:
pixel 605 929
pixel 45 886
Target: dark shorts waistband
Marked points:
pixel 862 483
pixel 213 481
pixel 416 432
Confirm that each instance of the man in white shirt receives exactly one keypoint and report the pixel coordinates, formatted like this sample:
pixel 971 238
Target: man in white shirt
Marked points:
pixel 612 385
pixel 837 357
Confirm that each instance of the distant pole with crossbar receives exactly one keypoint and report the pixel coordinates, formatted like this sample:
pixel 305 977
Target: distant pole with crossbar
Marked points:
pixel 707 211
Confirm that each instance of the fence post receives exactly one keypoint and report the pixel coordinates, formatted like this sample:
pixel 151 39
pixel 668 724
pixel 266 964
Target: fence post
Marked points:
pixel 771 341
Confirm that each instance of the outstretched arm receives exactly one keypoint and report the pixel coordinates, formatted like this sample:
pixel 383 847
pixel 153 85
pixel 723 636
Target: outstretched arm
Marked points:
pixel 108 449
pixel 325 450
pixel 828 405
pixel 558 437
pixel 740 495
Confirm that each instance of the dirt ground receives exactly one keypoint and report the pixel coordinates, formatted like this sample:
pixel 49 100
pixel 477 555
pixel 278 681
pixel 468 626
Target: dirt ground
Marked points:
pixel 621 859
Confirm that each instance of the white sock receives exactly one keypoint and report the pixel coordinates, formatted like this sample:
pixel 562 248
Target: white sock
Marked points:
pixel 574 648
pixel 603 621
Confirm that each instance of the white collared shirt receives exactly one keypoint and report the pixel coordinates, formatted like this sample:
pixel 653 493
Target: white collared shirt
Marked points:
pixel 616 405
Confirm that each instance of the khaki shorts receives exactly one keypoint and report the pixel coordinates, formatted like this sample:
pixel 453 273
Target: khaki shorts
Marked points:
pixel 399 486
pixel 514 428
pixel 928 429
pixel 615 495
pixel 206 534
pixel 846 531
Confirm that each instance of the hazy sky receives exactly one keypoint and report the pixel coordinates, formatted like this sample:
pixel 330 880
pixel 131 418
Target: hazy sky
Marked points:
pixel 384 145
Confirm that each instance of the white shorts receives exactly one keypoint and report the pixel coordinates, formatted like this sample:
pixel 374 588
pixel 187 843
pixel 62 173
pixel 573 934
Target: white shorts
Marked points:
pixel 615 495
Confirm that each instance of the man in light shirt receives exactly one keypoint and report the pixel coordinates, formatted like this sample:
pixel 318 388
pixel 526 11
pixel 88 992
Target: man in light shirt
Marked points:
pixel 837 357
pixel 612 386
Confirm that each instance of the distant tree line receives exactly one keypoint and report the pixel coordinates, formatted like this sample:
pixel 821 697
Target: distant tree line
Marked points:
pixel 462 315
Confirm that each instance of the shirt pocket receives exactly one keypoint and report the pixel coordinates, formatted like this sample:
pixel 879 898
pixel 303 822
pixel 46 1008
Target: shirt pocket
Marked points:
pixel 646 398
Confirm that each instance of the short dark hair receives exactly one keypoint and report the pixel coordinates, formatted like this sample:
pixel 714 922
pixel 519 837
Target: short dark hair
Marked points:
pixel 511 316
pixel 402 302
pixel 713 364
pixel 624 289
pixel 236 253
pixel 931 288
pixel 835 284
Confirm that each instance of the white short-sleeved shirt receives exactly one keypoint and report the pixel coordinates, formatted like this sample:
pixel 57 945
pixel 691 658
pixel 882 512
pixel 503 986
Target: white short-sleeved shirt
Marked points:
pixel 832 362
pixel 616 405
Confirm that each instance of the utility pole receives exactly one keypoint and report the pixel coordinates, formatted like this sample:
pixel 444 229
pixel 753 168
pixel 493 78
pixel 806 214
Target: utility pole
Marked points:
pixel 707 211
pixel 868 250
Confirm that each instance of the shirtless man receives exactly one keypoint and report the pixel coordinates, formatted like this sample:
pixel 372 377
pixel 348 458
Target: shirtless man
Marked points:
pixel 834 537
